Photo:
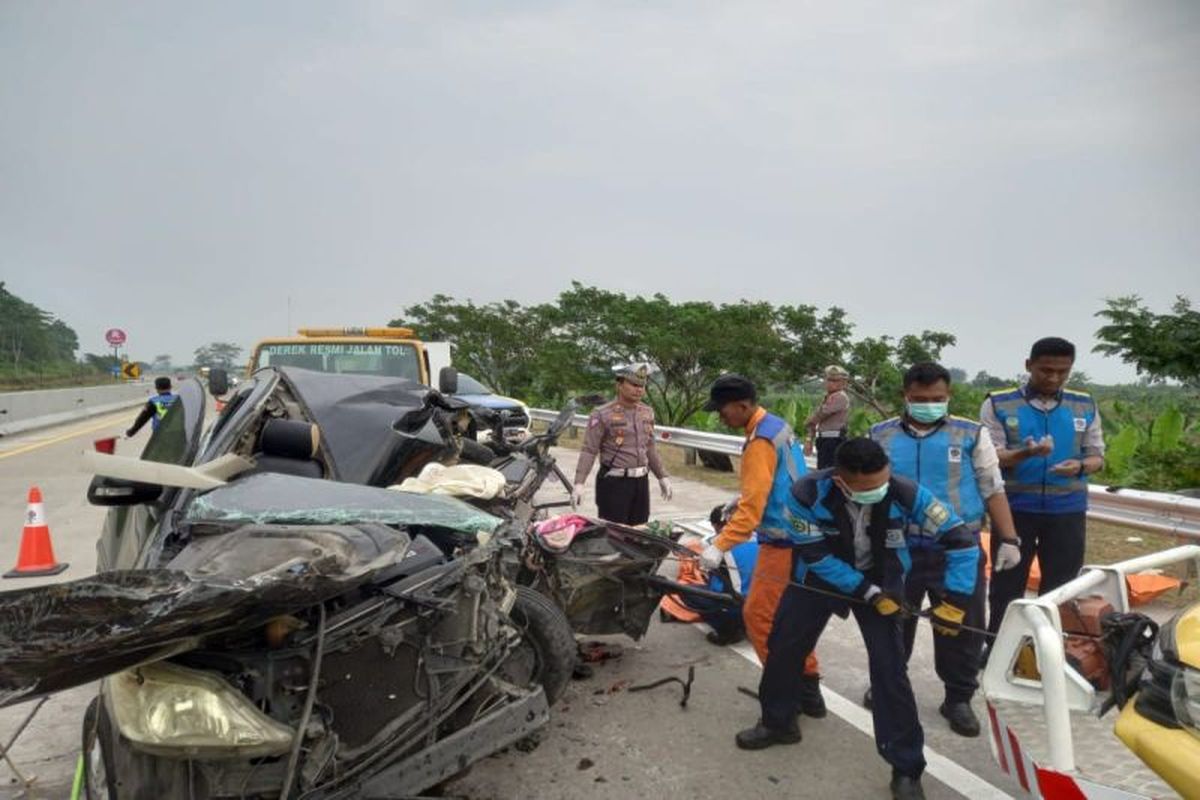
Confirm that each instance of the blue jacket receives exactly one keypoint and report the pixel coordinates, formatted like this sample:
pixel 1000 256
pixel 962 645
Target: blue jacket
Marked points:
pixel 1031 486
pixel 940 460
pixel 789 467
pixel 823 530
pixel 161 403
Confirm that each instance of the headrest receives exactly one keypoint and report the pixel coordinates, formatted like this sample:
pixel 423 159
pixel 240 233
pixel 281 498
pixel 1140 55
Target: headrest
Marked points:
pixel 289 438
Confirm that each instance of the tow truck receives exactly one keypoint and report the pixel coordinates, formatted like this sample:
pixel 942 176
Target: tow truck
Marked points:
pixel 394 352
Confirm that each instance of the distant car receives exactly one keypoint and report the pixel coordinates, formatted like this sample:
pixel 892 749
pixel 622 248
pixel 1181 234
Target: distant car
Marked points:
pixel 485 403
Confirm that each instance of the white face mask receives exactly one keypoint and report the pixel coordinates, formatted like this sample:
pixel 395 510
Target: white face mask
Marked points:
pixel 868 497
pixel 928 412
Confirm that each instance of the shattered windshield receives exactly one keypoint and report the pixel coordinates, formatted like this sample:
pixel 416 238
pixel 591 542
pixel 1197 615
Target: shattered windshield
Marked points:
pixel 286 499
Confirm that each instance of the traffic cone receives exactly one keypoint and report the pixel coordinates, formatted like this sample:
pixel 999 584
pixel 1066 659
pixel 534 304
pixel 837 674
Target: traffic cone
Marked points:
pixel 37 554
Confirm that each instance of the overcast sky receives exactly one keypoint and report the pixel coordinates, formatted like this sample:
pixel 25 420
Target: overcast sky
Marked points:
pixel 990 169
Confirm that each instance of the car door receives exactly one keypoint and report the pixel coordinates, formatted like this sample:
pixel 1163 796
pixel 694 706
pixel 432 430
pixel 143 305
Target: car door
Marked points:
pixel 135 509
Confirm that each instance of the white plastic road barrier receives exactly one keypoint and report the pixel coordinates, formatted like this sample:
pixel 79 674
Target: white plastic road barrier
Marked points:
pixel 1061 688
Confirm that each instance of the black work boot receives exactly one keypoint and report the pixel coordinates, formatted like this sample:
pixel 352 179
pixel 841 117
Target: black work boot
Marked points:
pixel 905 787
pixel 760 737
pixel 961 718
pixel 724 638
pixel 868 701
pixel 812 703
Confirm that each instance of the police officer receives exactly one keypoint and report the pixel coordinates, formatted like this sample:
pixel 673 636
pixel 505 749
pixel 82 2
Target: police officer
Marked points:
pixel 955 459
pixel 621 433
pixel 827 425
pixel 1049 440
pixel 771 462
pixel 851 525
pixel 155 408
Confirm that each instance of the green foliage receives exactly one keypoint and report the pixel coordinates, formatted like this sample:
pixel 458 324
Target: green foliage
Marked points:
pixel 218 354
pixel 32 339
pixel 1149 450
pixel 1167 430
pixel 1161 346
pixel 548 352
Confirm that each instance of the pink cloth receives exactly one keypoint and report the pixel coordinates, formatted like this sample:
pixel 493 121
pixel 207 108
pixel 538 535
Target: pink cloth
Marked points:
pixel 557 533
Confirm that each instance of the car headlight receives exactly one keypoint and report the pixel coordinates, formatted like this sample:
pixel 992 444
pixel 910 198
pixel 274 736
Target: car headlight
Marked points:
pixel 170 710
pixel 1185 699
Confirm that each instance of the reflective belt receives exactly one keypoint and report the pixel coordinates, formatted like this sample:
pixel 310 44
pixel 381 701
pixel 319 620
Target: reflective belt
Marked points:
pixel 830 434
pixel 628 472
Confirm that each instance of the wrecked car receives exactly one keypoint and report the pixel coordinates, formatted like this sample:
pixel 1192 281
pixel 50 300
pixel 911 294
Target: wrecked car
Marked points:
pixel 269 622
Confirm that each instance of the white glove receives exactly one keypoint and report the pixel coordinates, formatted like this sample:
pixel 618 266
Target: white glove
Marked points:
pixel 577 496
pixel 712 557
pixel 664 484
pixel 1007 555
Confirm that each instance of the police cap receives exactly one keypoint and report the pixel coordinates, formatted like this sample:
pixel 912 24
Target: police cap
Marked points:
pixel 637 374
pixel 836 372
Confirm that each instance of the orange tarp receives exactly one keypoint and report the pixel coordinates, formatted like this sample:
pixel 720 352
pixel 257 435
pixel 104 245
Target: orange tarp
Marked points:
pixel 1143 587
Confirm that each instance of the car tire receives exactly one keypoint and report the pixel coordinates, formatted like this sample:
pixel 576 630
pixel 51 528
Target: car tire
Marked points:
pixel 549 640
pixel 98 773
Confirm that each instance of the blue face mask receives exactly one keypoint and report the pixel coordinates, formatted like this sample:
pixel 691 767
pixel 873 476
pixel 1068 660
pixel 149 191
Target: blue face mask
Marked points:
pixel 928 412
pixel 871 496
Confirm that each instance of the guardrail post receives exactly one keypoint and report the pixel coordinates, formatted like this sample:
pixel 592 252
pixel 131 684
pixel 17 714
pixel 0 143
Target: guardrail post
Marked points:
pixel 689 456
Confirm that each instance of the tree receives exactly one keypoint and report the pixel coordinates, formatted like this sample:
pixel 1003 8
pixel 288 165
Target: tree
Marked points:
pixel 877 365
pixel 507 346
pixel 984 380
pixel 31 338
pixel 218 354
pixel 1161 346
pixel 161 363
pixel 687 344
pixel 958 375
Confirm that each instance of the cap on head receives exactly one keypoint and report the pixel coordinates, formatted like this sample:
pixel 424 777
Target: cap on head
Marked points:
pixel 637 374
pixel 833 371
pixel 727 389
pixel 162 384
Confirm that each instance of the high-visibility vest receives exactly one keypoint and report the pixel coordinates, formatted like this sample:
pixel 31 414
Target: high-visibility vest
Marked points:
pixel 1031 486
pixel 941 461
pixel 789 466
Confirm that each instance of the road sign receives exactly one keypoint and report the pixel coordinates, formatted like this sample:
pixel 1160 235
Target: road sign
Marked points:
pixel 131 369
pixel 114 336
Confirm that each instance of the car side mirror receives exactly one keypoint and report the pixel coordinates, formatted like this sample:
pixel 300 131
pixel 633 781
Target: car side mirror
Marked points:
pixel 448 380
pixel 105 491
pixel 218 382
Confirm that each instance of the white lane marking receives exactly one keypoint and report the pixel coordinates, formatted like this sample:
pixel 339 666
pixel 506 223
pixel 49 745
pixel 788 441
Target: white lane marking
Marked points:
pixel 939 766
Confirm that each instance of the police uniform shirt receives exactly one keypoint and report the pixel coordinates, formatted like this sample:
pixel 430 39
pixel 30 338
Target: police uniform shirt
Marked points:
pixel 623 438
pixel 831 415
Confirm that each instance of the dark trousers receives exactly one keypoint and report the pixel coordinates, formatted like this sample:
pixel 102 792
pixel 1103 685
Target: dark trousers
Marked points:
pixel 624 500
pixel 956 658
pixel 1056 539
pixel 798 624
pixel 826 447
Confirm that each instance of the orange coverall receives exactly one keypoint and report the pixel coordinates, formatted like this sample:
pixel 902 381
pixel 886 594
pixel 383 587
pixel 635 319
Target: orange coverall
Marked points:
pixel 773 569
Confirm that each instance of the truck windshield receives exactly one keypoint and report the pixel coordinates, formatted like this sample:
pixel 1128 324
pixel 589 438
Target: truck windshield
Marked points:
pixel 359 358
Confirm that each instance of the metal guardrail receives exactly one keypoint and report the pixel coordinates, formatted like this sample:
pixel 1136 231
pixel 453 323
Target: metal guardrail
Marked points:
pixel 1159 512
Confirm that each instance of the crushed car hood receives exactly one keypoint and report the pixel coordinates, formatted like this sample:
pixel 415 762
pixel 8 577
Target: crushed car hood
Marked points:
pixel 63 635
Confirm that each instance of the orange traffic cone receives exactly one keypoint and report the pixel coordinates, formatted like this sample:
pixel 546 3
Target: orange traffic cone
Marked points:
pixel 37 554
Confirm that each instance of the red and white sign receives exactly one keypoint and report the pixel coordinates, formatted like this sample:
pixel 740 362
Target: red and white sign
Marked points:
pixel 114 336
